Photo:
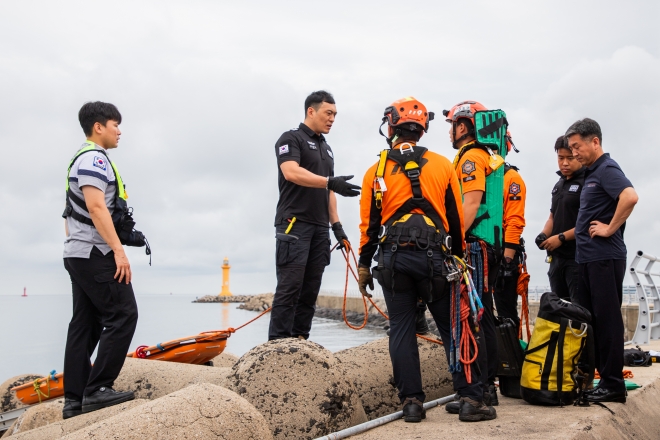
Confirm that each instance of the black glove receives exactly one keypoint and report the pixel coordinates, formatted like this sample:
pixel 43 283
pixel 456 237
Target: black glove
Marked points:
pixel 340 186
pixel 540 239
pixel 340 235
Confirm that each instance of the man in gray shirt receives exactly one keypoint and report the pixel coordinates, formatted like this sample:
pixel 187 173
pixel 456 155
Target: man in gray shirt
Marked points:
pixel 104 307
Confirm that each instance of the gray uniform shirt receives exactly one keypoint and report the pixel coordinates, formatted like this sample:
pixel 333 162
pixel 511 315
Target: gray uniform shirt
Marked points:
pixel 91 168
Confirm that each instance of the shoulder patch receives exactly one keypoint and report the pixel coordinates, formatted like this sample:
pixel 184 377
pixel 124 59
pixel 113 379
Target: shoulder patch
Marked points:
pixel 554 190
pixel 468 167
pixel 330 154
pixel 100 162
pixel 284 149
pixel 574 188
pixel 514 189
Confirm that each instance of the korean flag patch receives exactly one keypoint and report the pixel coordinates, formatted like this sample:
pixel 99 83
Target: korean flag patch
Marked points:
pixel 99 162
pixel 284 149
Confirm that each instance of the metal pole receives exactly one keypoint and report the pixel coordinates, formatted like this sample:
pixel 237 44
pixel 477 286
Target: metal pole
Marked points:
pixel 362 427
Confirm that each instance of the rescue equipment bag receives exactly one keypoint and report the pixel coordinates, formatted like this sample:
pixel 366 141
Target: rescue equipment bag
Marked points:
pixel 636 357
pixel 122 215
pixel 490 135
pixel 511 357
pixel 561 334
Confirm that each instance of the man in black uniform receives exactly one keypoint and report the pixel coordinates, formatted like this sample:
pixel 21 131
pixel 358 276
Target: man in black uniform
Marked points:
pixel 558 235
pixel 306 207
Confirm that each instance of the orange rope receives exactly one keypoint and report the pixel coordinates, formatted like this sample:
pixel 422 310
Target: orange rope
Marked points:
pixel 523 290
pixel 467 336
pixel 347 256
pixel 627 374
pixel 233 330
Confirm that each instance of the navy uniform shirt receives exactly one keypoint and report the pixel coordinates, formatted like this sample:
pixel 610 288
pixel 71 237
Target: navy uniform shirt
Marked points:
pixel 311 152
pixel 603 183
pixel 565 206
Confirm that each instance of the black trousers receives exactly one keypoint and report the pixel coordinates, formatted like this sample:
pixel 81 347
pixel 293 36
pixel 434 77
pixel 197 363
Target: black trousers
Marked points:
pixel 506 290
pixel 601 292
pixel 564 277
pixel 104 313
pixel 411 269
pixel 301 257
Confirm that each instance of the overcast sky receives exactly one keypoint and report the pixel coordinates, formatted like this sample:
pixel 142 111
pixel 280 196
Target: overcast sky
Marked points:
pixel 207 87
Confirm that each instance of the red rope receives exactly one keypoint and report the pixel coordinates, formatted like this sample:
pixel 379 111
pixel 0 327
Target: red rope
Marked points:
pixel 467 337
pixel 350 269
pixel 523 290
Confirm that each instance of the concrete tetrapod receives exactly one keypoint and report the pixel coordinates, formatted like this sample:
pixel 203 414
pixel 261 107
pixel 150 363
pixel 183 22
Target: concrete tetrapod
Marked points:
pixel 371 368
pixel 302 390
pixel 224 360
pixel 151 379
pixel 44 421
pixel 200 411
pixel 7 399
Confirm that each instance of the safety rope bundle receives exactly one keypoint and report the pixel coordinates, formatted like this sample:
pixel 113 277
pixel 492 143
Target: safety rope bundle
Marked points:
pixel 523 290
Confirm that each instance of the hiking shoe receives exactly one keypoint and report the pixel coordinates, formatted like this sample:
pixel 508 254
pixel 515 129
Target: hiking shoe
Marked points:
pixel 72 408
pixel 413 410
pixel 455 406
pixel 473 411
pixel 104 397
pixel 492 393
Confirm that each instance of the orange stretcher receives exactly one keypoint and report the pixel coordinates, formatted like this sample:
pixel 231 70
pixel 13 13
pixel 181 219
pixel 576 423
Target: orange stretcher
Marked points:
pixel 198 350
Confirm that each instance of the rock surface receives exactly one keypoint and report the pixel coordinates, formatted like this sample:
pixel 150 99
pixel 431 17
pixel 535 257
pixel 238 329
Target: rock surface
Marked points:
pixel 301 389
pixel 371 368
pixel 7 399
pixel 44 424
pixel 153 379
pixel 223 299
pixel 201 411
pixel 258 303
pixel 224 360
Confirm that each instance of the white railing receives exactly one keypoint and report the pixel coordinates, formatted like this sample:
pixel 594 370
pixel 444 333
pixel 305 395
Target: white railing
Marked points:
pixel 646 291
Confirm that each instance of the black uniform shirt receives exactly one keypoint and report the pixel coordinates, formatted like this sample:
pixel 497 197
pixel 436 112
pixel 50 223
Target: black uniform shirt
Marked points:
pixel 565 208
pixel 603 183
pixel 315 155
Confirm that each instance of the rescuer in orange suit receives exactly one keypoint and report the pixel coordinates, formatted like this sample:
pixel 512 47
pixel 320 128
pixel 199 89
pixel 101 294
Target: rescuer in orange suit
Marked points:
pixel 506 287
pixel 472 166
pixel 412 219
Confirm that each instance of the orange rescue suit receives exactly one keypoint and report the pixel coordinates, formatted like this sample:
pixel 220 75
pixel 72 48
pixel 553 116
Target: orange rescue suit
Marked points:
pixel 439 186
pixel 515 193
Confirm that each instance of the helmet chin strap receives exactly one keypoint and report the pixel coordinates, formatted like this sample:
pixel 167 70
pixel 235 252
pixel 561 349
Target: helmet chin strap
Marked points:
pixel 456 141
pixel 388 139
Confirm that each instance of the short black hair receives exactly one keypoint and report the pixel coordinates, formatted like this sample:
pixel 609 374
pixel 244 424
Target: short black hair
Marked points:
pixel 405 134
pixel 561 143
pixel 586 128
pixel 315 99
pixel 468 124
pixel 92 112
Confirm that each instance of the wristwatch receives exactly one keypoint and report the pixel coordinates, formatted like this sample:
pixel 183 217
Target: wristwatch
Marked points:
pixel 562 237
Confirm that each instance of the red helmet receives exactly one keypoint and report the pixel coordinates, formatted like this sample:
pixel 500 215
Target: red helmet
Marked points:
pixel 466 110
pixel 407 113
pixel 509 143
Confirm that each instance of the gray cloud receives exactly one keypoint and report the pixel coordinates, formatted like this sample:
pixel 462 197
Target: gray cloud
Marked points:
pixel 206 88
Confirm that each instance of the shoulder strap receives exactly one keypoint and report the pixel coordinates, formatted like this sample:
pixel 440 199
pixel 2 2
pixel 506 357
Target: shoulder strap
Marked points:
pixel 462 152
pixel 379 181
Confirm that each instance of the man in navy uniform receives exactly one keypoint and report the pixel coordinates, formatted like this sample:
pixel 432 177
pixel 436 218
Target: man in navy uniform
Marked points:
pixel 306 207
pixel 606 202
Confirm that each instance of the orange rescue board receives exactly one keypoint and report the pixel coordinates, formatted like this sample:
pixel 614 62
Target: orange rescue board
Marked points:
pixel 198 350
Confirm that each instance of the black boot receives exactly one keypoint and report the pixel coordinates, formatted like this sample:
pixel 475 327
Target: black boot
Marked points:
pixel 72 408
pixel 421 324
pixel 413 410
pixel 605 395
pixel 104 397
pixel 473 411
pixel 492 392
pixel 455 406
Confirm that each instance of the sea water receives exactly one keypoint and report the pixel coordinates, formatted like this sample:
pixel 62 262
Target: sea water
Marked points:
pixel 33 329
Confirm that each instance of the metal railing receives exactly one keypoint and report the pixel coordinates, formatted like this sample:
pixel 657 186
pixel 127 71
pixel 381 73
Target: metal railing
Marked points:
pixel 646 291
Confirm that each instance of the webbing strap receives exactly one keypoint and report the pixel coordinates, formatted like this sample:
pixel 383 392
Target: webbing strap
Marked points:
pixel 77 200
pixel 492 127
pixel 560 358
